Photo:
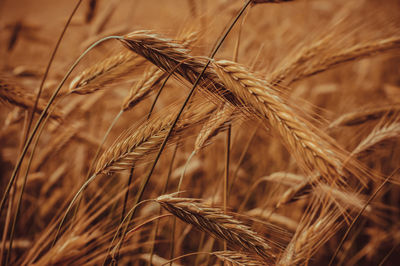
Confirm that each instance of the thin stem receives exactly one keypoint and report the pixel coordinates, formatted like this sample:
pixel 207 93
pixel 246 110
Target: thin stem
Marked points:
pixel 42 116
pixel 184 170
pixel 19 202
pixel 172 71
pixel 146 180
pixel 82 188
pixel 97 154
pixel 7 260
pixel 127 193
pixel 30 121
pixel 163 192
pixel 227 158
pixel 87 182
pixel 13 192
pixel 7 224
pixel 149 221
pixel 347 250
pixel 152 109
pixel 171 251
pixel 241 158
pixel 158 94
pixel 46 72
pixel 171 247
pixel 356 219
pixel 120 226
pixel 144 184
pixel 201 242
pixel 226 176
pixel 389 253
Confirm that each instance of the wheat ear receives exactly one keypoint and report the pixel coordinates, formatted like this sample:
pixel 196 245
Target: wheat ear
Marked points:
pixel 18 96
pixel 143 88
pixel 217 123
pixel 218 224
pixel 378 135
pixel 310 150
pixel 151 78
pixel 104 72
pixel 356 52
pixel 361 116
pixel 132 147
pixel 147 138
pixel 311 234
pixel 171 55
pixel 304 65
pixel 238 258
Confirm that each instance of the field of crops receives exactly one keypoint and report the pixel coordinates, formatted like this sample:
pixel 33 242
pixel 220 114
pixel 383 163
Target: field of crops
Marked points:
pixel 212 132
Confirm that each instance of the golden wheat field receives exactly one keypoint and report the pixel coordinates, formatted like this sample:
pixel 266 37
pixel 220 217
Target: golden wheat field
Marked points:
pixel 209 132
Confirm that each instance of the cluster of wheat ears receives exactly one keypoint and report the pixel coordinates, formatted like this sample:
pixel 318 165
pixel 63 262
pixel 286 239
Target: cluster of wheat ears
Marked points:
pixel 269 128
